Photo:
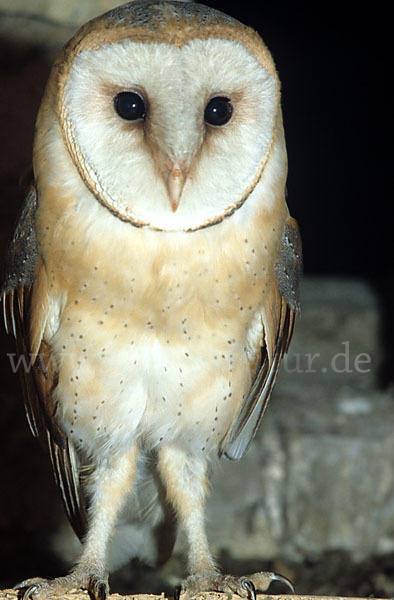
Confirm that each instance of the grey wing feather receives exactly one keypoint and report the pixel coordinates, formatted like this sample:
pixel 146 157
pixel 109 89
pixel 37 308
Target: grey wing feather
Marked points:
pixel 20 271
pixel 288 273
pixel 288 269
pixel 21 258
pixel 253 410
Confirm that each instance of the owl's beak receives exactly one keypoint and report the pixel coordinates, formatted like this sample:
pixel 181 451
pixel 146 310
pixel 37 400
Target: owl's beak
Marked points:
pixel 175 184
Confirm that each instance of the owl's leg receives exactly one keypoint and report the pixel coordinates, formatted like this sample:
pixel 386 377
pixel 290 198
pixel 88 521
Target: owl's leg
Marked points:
pixel 185 478
pixel 112 483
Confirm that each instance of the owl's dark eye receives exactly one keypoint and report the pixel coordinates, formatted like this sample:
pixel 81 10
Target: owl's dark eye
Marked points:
pixel 130 106
pixel 218 111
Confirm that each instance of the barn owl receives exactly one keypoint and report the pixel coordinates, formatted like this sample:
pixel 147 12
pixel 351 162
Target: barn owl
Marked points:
pixel 152 278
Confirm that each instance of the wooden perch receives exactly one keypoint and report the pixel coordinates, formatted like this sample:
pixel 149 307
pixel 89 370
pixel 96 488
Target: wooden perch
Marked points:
pixel 12 595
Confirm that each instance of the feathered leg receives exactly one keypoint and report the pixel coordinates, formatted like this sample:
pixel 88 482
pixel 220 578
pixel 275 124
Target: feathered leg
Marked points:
pixel 113 481
pixel 185 478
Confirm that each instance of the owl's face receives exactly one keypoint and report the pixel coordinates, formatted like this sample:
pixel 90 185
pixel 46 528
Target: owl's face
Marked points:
pixel 172 133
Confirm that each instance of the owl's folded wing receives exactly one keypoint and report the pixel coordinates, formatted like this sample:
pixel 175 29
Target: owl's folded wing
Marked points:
pixel 25 302
pixel 278 318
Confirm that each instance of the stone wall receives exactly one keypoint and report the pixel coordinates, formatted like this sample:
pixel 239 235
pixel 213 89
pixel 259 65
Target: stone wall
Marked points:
pixel 320 474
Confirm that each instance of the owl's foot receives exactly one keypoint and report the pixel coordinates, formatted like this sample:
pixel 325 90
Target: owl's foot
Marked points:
pixel 38 589
pixel 242 586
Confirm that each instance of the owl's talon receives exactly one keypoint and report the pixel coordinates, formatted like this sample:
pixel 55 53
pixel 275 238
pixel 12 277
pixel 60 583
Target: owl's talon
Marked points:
pixel 262 581
pixel 283 579
pixel 245 586
pixel 87 579
pixel 102 592
pixel 20 586
pixel 98 589
pixel 249 586
pixel 30 590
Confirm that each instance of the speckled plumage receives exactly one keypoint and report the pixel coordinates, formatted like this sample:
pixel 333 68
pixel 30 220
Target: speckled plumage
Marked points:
pixel 156 327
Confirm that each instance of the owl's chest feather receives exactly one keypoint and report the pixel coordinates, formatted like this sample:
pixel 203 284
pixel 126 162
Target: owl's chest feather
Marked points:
pixel 157 283
pixel 152 329
pixel 183 296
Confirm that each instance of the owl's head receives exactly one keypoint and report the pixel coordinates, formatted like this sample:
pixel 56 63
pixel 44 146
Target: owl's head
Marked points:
pixel 169 111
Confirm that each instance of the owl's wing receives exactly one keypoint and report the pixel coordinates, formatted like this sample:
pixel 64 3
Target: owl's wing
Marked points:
pixel 25 303
pixel 278 319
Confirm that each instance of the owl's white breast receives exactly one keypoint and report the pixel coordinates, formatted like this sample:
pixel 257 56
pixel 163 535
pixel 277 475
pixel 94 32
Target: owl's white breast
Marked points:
pixel 151 332
pixel 153 327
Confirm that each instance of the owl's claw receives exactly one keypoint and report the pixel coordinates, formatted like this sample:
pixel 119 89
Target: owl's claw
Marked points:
pixel 283 579
pixel 262 580
pixel 249 586
pixel 101 593
pixel 245 587
pixel 39 589
pixel 32 588
pixel 28 593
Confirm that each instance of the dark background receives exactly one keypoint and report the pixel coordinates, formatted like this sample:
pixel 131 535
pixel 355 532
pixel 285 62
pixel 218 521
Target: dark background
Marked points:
pixel 331 61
